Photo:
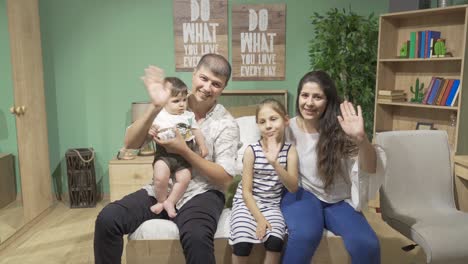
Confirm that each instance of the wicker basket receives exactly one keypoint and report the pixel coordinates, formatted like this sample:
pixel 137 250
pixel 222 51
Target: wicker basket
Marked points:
pixel 81 177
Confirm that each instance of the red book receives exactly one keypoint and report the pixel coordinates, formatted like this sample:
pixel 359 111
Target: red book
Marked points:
pixel 418 44
pixel 441 92
pixel 427 43
pixel 446 92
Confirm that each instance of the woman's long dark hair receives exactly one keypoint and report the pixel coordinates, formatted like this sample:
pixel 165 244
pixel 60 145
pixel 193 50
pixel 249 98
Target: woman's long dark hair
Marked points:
pixel 333 144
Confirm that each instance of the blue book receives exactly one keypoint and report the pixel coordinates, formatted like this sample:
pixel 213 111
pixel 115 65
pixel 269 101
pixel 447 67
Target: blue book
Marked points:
pixel 431 35
pixel 453 93
pixel 422 44
pixel 434 90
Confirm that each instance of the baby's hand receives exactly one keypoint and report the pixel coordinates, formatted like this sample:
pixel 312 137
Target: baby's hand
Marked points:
pixel 154 82
pixel 166 133
pixel 153 131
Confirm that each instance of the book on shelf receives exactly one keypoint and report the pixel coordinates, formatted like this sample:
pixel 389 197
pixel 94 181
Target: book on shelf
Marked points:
pixel 396 96
pixel 446 92
pixel 443 86
pixel 421 43
pixel 422 40
pixel 432 36
pixel 441 91
pixel 434 89
pixel 412 50
pixel 401 97
pixel 428 91
pixel 391 92
pixel 391 100
pixel 427 43
pixel 452 97
pixel 416 49
pixel 431 48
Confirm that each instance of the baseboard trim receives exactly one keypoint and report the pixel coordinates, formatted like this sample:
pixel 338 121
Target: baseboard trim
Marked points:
pixel 65 198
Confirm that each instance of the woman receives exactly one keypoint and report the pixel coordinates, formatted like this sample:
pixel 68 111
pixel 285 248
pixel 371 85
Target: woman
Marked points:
pixel 328 135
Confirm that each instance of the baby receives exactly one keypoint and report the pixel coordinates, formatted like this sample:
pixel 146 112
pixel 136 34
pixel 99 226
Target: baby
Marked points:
pixel 174 115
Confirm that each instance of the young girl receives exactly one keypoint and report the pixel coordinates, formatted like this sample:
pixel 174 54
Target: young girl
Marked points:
pixel 268 165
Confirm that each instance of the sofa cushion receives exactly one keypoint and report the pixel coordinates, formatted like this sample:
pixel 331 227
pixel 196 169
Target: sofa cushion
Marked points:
pixel 159 229
pixel 249 133
pixel 164 229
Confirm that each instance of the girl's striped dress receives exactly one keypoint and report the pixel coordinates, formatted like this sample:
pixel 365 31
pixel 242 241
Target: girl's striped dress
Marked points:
pixel 267 189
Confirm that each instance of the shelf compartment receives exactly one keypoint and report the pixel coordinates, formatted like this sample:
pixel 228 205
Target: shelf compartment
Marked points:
pixel 401 117
pixel 397 27
pixel 442 11
pixel 401 76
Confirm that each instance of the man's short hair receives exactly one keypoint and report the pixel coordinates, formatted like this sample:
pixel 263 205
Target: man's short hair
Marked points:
pixel 217 64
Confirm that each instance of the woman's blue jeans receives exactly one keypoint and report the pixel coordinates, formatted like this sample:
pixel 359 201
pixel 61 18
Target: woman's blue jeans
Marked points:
pixel 306 217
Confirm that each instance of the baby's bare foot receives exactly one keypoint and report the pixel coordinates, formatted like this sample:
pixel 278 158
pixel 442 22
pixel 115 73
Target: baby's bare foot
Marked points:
pixel 157 208
pixel 170 208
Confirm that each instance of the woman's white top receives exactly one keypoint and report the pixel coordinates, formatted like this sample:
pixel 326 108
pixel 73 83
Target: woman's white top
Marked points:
pixel 356 187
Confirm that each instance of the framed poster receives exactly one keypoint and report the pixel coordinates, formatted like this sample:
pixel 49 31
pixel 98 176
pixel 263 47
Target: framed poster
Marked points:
pixel 258 42
pixel 424 126
pixel 200 27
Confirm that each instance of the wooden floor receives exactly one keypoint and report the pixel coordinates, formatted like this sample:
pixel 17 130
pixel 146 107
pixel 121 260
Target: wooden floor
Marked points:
pixel 66 236
pixel 11 219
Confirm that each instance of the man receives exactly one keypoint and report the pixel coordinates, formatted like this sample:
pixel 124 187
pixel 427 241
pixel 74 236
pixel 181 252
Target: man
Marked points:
pixel 202 204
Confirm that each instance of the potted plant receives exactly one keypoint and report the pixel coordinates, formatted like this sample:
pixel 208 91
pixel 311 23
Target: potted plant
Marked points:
pixel 345 45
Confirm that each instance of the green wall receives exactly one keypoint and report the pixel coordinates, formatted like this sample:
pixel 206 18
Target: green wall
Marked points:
pixel 94 52
pixel 7 120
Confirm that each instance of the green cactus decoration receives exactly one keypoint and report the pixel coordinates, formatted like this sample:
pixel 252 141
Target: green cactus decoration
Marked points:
pixel 439 48
pixel 417 92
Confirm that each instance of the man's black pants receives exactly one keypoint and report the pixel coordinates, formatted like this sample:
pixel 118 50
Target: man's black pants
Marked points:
pixel 197 221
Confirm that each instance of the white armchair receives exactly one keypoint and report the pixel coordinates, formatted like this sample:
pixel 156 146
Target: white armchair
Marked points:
pixel 417 196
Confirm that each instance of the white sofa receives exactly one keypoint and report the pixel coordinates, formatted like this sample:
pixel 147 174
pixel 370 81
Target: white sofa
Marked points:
pixel 157 241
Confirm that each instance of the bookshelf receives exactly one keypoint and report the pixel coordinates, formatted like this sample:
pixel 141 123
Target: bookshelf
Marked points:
pixel 394 73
